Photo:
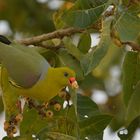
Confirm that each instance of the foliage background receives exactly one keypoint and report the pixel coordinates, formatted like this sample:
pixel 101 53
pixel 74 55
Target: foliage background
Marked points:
pixel 110 69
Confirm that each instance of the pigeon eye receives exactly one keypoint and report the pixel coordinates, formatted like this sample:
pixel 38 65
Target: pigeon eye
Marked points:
pixel 66 74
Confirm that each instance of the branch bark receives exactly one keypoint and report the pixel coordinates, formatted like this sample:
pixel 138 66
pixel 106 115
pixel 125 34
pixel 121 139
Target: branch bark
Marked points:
pixel 133 45
pixel 56 34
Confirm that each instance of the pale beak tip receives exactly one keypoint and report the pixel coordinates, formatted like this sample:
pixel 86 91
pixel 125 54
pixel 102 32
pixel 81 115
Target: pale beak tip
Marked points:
pixel 75 85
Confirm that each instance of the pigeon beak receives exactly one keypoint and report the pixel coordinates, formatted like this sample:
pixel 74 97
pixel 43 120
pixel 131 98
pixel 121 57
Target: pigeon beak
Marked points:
pixel 73 83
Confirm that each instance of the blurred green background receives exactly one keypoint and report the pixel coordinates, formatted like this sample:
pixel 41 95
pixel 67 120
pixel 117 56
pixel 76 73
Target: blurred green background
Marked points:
pixel 26 18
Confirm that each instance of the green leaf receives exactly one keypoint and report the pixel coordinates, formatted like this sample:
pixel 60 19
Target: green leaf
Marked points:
pixel 82 4
pixel 128 23
pixel 19 138
pixel 84 13
pixel 94 125
pixel 55 136
pixel 126 2
pixel 111 58
pixel 85 106
pixel 69 61
pixel 84 43
pixel 64 123
pixel 92 59
pixel 133 110
pixel 58 22
pixel 131 74
pixel 91 121
pixel 72 49
pixel 32 122
pixel 91 82
pixel 75 101
pixel 51 57
pixel 131 130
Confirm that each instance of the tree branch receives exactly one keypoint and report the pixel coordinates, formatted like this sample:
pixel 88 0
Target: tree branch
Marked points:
pixel 133 45
pixel 56 34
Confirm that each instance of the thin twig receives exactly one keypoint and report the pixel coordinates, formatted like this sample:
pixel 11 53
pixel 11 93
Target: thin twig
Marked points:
pixel 133 45
pixel 56 34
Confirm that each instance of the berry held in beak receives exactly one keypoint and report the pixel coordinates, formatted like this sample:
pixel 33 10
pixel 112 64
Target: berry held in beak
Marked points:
pixel 73 83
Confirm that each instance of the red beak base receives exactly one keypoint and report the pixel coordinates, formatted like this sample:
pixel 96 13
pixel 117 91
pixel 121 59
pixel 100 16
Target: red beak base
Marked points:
pixel 73 82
